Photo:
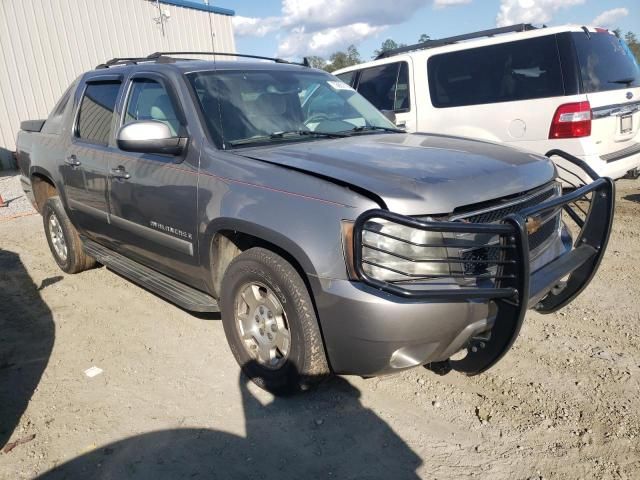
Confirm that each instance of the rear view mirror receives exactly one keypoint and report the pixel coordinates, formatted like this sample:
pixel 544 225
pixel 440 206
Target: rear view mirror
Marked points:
pixel 150 136
pixel 390 114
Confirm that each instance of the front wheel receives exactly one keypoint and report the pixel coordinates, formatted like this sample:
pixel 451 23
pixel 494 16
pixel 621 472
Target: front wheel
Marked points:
pixel 270 323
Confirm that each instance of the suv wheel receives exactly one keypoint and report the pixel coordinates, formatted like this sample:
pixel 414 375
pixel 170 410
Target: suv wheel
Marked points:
pixel 270 323
pixel 63 239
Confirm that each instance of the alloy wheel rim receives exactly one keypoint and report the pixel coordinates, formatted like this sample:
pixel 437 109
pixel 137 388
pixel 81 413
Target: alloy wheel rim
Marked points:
pixel 57 237
pixel 262 325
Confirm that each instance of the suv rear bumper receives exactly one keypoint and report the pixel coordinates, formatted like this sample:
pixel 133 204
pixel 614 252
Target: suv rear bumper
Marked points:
pixel 372 328
pixel 615 169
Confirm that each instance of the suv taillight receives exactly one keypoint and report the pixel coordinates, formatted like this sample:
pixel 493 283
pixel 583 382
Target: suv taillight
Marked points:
pixel 571 120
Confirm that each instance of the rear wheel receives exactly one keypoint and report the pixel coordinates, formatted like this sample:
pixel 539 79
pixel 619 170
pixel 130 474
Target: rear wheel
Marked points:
pixel 64 241
pixel 270 323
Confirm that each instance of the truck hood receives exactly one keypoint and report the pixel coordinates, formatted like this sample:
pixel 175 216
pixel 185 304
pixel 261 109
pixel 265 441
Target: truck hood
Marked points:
pixel 415 174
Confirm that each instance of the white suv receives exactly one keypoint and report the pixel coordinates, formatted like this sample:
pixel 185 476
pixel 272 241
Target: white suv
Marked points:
pixel 571 88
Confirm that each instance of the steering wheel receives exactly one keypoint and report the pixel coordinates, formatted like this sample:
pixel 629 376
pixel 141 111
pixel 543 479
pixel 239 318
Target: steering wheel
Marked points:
pixel 316 118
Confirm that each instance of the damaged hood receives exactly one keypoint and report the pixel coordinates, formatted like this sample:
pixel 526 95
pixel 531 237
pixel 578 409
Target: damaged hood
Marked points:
pixel 415 174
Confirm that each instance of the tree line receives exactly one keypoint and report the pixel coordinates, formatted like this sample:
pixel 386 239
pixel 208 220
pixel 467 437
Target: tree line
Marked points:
pixel 351 56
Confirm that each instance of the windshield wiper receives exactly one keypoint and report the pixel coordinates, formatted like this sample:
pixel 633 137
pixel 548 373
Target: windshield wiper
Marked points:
pixel 370 128
pixel 286 133
pixel 311 133
pixel 624 81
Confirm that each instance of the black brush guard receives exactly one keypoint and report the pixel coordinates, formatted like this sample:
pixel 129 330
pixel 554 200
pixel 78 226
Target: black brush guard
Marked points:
pixel 515 288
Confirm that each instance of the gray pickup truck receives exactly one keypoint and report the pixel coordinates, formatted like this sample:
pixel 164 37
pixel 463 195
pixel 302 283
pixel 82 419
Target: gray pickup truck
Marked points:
pixel 329 240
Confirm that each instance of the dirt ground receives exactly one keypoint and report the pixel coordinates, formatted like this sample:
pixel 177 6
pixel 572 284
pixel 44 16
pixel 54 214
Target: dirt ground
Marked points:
pixel 170 402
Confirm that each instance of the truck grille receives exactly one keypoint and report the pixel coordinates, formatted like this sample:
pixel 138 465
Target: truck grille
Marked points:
pixel 494 213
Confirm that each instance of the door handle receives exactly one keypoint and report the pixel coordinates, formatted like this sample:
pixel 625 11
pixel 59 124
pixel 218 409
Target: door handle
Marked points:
pixel 120 173
pixel 72 160
pixel 401 124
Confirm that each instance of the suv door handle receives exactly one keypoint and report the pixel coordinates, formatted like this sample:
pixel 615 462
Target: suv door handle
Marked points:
pixel 72 160
pixel 120 173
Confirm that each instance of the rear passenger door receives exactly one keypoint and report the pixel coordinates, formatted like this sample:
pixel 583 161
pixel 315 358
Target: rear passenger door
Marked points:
pixel 387 87
pixel 85 169
pixel 153 196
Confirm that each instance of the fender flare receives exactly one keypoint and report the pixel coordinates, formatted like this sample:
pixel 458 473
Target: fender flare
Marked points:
pixel 263 233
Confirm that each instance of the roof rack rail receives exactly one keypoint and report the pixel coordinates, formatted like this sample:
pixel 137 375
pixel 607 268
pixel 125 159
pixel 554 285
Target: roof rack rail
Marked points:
pixel 120 61
pixel 166 57
pixel 520 27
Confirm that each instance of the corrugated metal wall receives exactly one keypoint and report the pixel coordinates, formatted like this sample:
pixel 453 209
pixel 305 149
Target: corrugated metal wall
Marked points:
pixel 45 44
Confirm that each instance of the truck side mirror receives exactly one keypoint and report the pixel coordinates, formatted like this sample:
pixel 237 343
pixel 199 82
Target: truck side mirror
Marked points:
pixel 150 136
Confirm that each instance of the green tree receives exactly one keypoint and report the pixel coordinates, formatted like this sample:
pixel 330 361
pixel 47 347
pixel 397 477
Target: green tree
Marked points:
pixel 387 45
pixel 424 38
pixel 340 60
pixel 317 62
pixel 634 45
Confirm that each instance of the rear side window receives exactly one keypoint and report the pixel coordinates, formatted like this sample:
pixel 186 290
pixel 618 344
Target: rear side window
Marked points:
pixel 505 72
pixel 95 116
pixel 386 86
pixel 606 63
pixel 149 100
pixel 347 77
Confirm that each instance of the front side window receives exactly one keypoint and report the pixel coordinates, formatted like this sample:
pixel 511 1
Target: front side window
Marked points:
pixel 606 63
pixel 95 116
pixel 386 86
pixel 505 72
pixel 149 100
pixel 243 107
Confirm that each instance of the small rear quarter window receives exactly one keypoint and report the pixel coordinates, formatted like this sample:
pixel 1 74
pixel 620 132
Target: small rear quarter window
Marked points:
pixel 347 77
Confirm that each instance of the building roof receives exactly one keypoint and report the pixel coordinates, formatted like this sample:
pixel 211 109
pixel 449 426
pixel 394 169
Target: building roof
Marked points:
pixel 205 7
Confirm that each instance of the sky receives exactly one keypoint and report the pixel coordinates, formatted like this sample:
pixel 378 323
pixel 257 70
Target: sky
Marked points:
pixel 295 28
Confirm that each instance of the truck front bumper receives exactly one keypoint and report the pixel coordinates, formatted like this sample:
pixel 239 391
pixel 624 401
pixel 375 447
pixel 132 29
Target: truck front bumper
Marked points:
pixel 368 332
pixel 372 327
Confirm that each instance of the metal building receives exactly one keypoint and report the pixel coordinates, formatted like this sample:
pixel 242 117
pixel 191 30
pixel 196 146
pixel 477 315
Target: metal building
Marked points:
pixel 46 44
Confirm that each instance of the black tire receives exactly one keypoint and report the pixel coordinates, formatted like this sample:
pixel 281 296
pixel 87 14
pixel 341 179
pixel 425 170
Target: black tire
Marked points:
pixel 75 260
pixel 306 363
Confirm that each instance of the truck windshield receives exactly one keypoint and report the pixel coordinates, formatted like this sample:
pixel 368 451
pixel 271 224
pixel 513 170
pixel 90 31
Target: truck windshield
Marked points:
pixel 246 107
pixel 606 63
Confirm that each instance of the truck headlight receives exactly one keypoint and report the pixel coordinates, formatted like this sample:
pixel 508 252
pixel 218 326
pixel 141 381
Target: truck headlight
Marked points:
pixel 393 252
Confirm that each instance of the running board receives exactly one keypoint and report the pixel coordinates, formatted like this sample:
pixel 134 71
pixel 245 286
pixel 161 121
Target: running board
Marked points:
pixel 176 292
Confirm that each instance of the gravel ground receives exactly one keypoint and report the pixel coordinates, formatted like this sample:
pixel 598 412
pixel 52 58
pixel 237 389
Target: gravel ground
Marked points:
pixel 170 402
pixel 12 194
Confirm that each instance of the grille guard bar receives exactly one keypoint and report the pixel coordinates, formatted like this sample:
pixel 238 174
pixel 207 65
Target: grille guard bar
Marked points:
pixel 518 288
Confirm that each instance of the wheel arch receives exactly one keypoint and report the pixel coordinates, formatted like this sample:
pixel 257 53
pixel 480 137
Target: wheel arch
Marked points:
pixel 228 237
pixel 43 186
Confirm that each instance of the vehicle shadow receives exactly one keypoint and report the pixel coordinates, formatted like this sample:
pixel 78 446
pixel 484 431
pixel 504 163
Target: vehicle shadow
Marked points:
pixel 26 339
pixel 325 433
pixel 633 197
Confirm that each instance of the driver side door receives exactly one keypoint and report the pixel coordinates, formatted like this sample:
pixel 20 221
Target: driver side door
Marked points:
pixel 153 196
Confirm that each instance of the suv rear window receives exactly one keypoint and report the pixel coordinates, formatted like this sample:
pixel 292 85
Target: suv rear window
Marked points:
pixel 497 73
pixel 606 63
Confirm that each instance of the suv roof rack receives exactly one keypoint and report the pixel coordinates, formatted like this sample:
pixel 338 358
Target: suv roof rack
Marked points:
pixel 520 27
pixel 166 57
